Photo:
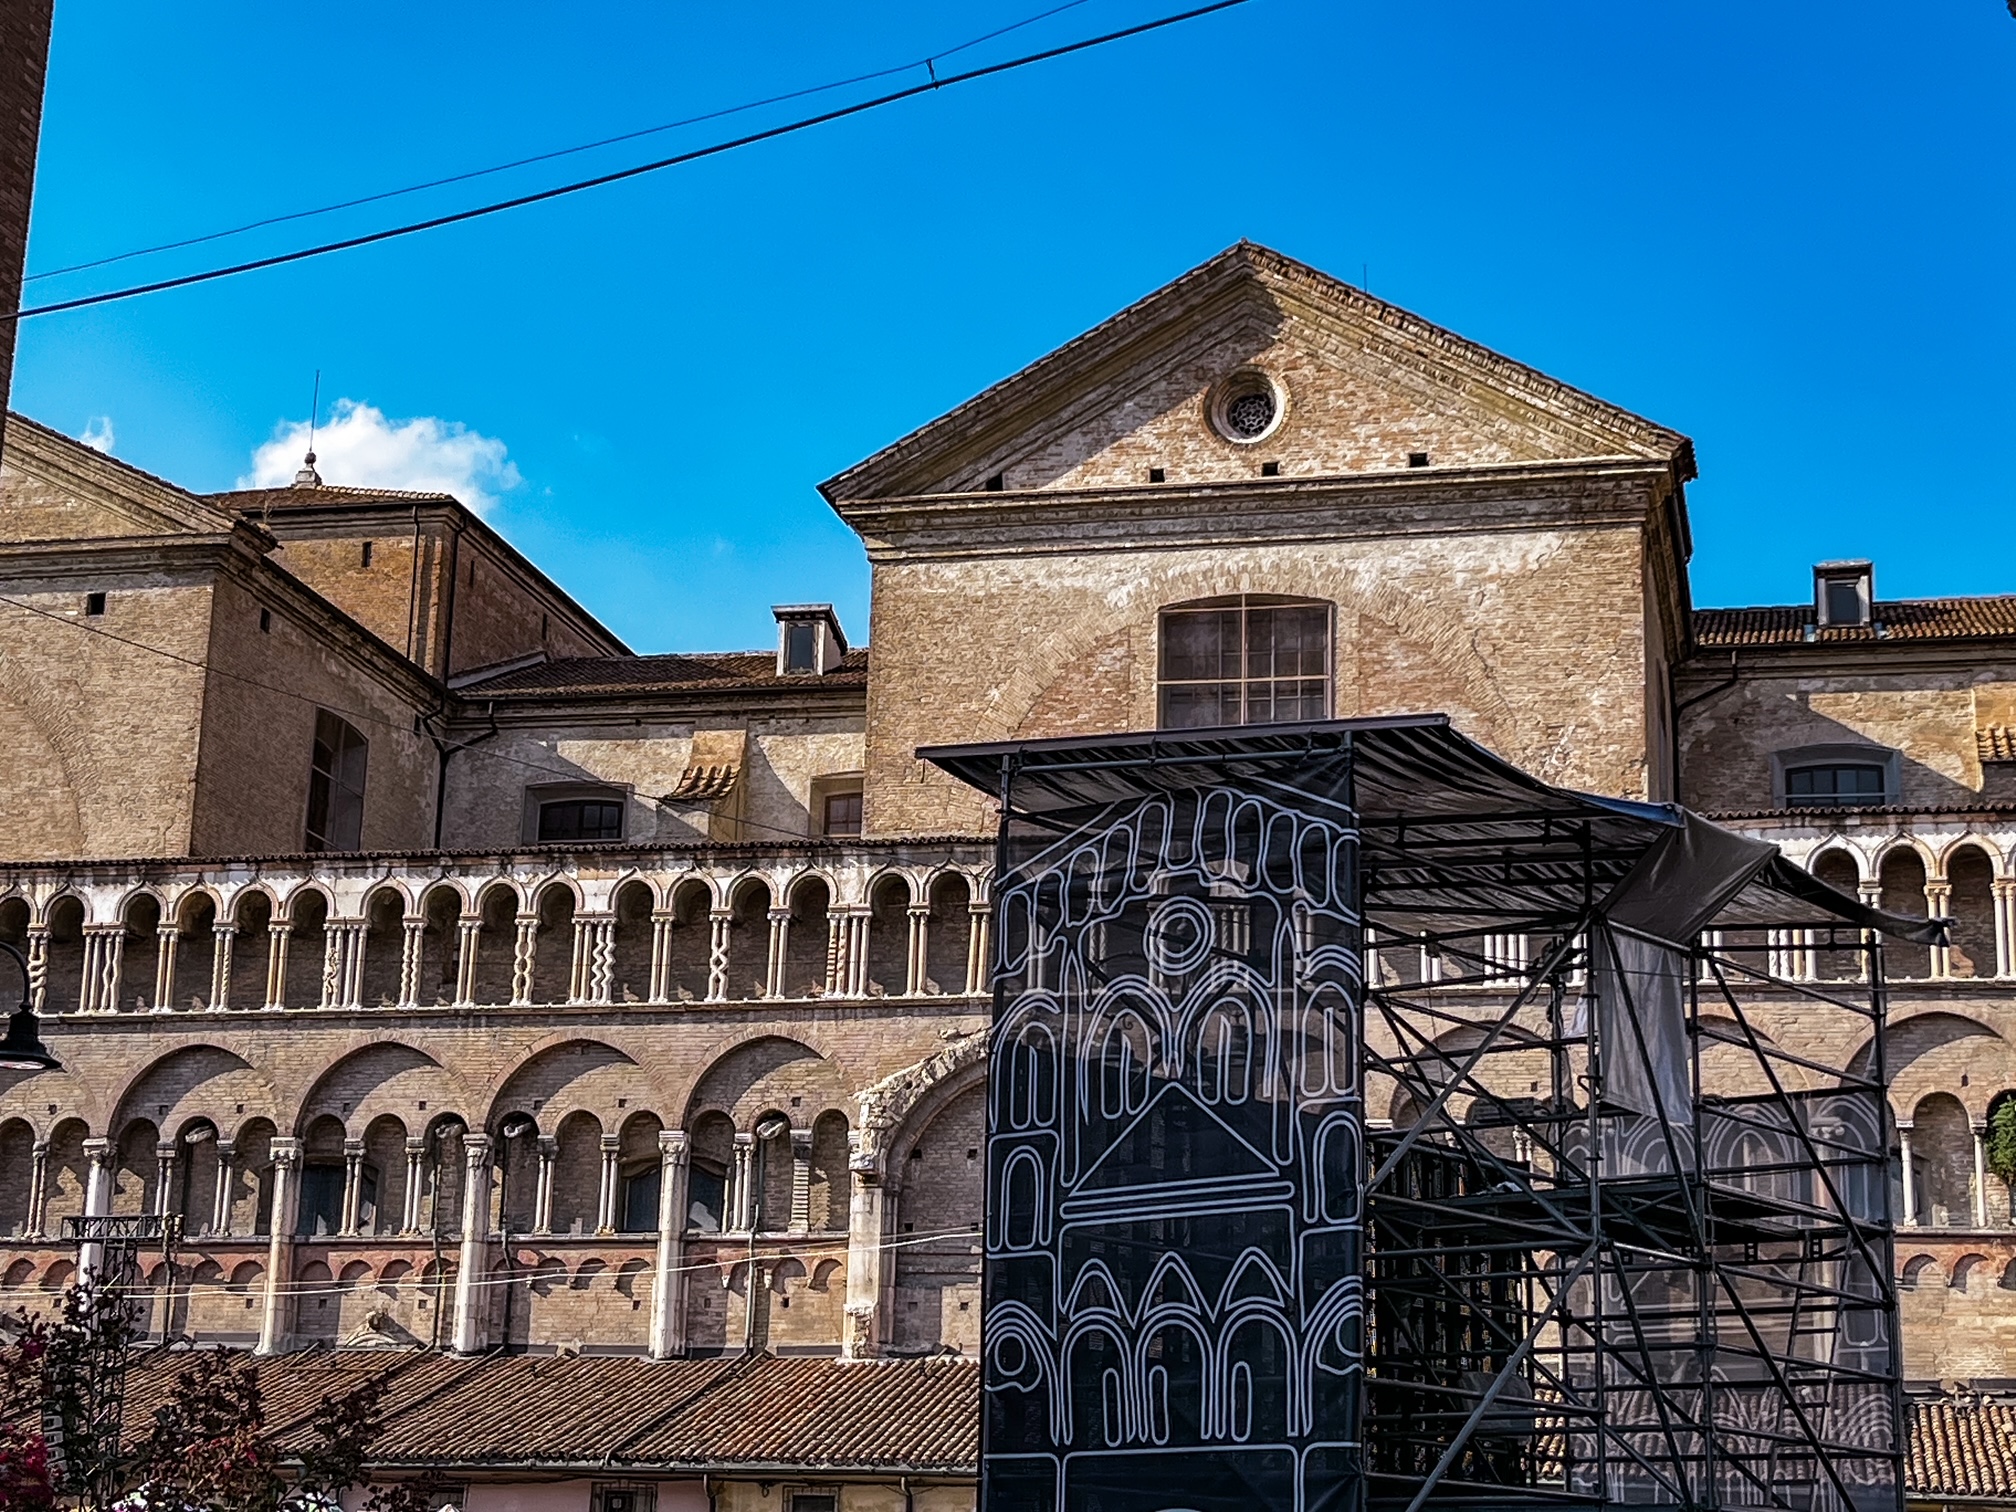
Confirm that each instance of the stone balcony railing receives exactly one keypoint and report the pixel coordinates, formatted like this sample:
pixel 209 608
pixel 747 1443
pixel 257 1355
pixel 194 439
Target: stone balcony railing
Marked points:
pixel 845 919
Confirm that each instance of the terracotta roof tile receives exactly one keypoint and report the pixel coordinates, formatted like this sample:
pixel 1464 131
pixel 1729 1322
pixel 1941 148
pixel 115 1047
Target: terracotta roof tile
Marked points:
pixel 674 673
pixel 1996 742
pixel 314 495
pixel 733 1413
pixel 706 783
pixel 1893 619
pixel 440 1410
pixel 1961 1448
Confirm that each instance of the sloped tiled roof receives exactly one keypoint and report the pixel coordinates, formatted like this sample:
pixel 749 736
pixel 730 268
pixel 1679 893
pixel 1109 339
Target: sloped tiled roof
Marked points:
pixel 762 1413
pixel 753 1412
pixel 673 673
pixel 1995 742
pixel 706 783
pixel 1961 1449
pixel 1894 619
pixel 319 496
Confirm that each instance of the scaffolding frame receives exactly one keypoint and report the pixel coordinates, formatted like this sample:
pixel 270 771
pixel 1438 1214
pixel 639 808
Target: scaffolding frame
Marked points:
pixel 1623 1249
pixel 1555 1323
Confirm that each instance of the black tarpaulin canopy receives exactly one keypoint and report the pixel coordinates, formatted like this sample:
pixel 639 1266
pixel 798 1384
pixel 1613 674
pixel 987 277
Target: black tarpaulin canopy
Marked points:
pixel 1450 830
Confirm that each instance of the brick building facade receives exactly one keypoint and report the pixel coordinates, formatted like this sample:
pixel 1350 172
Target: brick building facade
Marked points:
pixel 464 981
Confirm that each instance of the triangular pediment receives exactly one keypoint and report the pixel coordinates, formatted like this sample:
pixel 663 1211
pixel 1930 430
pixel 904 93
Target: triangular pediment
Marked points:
pixel 1356 385
pixel 58 489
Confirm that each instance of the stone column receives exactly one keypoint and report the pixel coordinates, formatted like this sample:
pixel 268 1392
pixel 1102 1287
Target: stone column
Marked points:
pixel 279 934
pixel 1939 905
pixel 774 984
pixel 166 938
pixel 577 962
pixel 857 975
pixel 165 1153
pixel 979 969
pixel 280 1245
pixel 920 948
pixel 524 954
pixel 222 937
pixel 599 967
pixel 353 1185
pixel 867 1215
pixel 741 1178
pixel 471 1295
pixel 342 964
pixel 99 1156
pixel 92 995
pixel 2003 890
pixel 38 1189
pixel 542 1200
pixel 801 1181
pixel 660 989
pixel 1981 1175
pixel 416 1167
pixel 1910 1178
pixel 1870 892
pixel 717 954
pixel 605 1207
pixel 412 956
pixel 836 952
pixel 668 1289
pixel 115 964
pixel 38 966
pixel 220 1194
pixel 469 937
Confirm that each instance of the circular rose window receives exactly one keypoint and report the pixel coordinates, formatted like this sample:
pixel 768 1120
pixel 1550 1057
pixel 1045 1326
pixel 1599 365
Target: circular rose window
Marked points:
pixel 1246 406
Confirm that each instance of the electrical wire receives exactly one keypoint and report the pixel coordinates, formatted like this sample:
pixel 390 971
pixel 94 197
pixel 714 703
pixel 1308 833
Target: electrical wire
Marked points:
pixel 619 175
pixel 546 157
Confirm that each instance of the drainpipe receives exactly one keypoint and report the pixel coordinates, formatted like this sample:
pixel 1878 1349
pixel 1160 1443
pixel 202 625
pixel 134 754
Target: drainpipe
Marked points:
pixel 1681 706
pixel 444 750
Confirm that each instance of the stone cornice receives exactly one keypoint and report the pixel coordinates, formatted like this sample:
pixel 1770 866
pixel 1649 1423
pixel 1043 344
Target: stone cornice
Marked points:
pixel 271 584
pixel 446 514
pixel 1960 654
pixel 25 563
pixel 1276 511
pixel 474 710
pixel 35 449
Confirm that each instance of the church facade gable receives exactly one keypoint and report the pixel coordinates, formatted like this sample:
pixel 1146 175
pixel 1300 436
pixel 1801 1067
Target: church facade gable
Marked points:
pixel 1253 359
pixel 58 489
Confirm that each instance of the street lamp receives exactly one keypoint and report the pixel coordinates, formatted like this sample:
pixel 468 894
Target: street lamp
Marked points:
pixel 22 1049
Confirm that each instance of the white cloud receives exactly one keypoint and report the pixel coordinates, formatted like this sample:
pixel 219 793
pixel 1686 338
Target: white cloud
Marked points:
pixel 360 448
pixel 98 434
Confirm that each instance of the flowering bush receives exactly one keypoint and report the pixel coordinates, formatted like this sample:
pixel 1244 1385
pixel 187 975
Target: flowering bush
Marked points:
pixel 207 1448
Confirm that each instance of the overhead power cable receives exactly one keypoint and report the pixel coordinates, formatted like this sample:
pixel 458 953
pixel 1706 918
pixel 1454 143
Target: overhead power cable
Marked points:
pixel 937 82
pixel 927 62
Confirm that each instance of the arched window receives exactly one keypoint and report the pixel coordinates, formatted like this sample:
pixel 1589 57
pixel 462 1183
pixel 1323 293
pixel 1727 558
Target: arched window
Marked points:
pixel 336 786
pixel 1835 776
pixel 1246 659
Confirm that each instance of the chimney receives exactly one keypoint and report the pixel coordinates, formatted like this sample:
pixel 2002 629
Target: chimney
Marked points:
pixel 1844 593
pixel 809 639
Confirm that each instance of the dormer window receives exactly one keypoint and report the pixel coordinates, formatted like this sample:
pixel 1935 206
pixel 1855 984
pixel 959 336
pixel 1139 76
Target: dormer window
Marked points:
pixel 1843 593
pixel 809 639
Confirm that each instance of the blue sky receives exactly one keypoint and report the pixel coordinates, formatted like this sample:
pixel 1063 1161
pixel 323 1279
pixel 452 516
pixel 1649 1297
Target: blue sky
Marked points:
pixel 1784 229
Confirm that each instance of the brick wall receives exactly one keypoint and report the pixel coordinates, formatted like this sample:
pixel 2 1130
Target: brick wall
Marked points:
pixel 262 695
pixel 1480 625
pixel 24 58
